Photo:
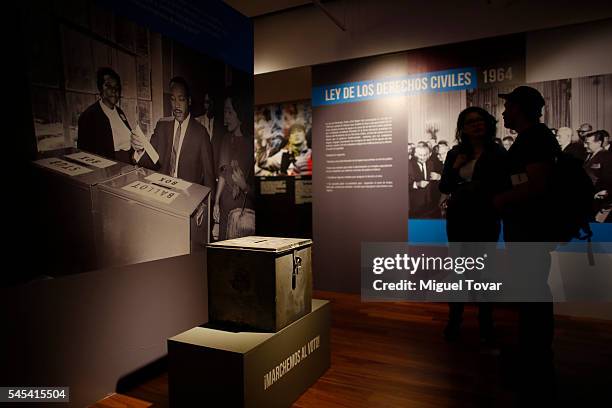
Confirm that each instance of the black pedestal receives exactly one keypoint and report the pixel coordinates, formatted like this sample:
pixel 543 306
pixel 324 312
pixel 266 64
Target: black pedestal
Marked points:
pixel 210 367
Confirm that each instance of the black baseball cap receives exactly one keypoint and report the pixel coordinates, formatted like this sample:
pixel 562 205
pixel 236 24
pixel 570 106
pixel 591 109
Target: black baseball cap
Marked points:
pixel 530 98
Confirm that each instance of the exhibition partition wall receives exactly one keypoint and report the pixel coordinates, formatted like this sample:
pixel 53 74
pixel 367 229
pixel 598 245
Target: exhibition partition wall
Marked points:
pixel 114 234
pixel 384 124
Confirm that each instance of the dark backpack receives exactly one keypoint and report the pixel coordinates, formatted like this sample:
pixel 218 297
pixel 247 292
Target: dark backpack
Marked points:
pixel 572 194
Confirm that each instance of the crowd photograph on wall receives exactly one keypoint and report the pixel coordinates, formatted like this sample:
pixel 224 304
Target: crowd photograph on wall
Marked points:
pixel 283 139
pixel 575 111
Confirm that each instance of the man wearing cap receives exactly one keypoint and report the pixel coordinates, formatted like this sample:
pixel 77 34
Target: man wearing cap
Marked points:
pixel 532 156
pixel 564 137
pixel 526 213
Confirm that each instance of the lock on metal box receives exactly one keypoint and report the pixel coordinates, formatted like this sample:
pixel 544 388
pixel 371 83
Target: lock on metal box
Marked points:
pixel 260 283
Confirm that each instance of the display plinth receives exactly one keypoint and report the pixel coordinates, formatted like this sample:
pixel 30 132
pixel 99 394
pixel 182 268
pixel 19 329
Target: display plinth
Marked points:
pixel 210 367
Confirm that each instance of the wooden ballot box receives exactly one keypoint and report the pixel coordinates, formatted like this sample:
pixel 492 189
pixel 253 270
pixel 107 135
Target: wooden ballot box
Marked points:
pixel 262 283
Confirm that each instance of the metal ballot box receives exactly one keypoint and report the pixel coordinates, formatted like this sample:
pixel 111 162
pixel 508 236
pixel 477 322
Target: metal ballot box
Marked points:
pixel 66 183
pixel 261 283
pixel 143 216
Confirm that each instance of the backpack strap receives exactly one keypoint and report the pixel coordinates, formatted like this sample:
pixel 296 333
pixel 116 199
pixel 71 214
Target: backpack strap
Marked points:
pixel 590 255
pixel 588 232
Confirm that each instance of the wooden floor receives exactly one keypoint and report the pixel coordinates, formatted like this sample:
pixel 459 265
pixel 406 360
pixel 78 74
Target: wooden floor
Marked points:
pixel 393 355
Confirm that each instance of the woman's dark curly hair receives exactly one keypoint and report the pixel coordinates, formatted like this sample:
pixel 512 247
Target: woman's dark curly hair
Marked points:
pixel 490 126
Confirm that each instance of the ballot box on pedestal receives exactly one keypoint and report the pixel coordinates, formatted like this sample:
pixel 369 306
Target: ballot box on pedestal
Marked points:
pixel 262 283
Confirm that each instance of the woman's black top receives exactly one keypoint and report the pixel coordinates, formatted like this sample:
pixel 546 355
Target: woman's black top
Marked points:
pixel 470 215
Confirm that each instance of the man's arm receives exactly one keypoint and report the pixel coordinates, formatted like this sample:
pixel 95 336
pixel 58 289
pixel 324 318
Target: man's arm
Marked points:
pixel 538 175
pixel 606 172
pixel 272 163
pixel 603 187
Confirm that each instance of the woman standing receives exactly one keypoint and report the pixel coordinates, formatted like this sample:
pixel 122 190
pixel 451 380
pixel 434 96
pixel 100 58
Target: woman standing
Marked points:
pixel 233 207
pixel 103 128
pixel 474 171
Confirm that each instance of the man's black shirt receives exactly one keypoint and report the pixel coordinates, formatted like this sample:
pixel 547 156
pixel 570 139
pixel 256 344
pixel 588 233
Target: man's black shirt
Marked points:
pixel 531 220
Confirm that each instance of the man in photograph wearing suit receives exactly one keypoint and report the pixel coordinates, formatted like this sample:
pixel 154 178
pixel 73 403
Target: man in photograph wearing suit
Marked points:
pixel 103 128
pixel 598 166
pixel 606 142
pixel 564 137
pixel 422 179
pixel 214 126
pixel 183 145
